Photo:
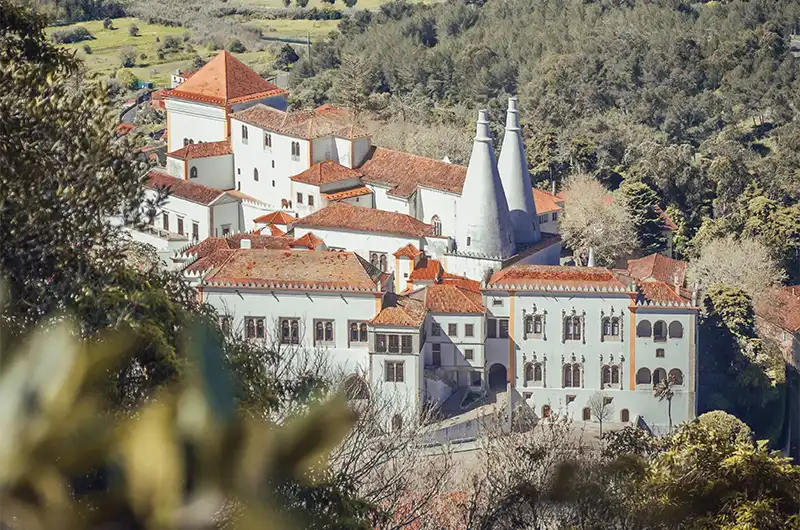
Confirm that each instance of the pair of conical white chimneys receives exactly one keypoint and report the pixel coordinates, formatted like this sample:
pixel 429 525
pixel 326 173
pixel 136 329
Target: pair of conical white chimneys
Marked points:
pixel 496 211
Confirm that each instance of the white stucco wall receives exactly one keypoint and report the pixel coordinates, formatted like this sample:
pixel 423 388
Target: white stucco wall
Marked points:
pixel 305 190
pixel 195 121
pixel 228 213
pixel 442 204
pixel 175 167
pixel 453 346
pixel 189 211
pixel 383 201
pixel 361 148
pixel 213 171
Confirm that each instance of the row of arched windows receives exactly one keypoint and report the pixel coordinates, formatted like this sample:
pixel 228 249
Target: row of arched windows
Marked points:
pixel 624 414
pixel 659 375
pixel 378 261
pixel 659 330
pixel 573 326
pixel 610 375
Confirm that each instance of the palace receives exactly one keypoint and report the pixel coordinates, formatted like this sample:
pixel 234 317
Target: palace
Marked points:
pixel 425 278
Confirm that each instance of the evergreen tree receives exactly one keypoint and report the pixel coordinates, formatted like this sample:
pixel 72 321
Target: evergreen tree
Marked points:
pixel 646 215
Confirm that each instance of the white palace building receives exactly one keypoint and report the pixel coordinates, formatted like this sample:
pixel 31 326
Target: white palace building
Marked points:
pixel 415 275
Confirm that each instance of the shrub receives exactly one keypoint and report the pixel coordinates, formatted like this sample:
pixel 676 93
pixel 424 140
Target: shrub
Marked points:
pixel 350 3
pixel 198 62
pixel 68 36
pixel 127 57
pixel 236 46
pixel 287 56
pixel 133 31
pixel 128 79
pixel 108 24
pixel 87 49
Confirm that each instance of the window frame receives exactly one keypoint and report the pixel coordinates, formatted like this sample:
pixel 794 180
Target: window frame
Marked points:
pixel 324 340
pixel 193 172
pixel 360 339
pixel 245 134
pixel 293 329
pixel 436 353
pixel 258 328
pixel 469 330
pixel 469 354
pixel 391 373
pixel 267 141
pixel 452 330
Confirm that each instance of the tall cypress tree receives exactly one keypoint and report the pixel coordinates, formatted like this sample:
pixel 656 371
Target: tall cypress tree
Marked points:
pixel 647 216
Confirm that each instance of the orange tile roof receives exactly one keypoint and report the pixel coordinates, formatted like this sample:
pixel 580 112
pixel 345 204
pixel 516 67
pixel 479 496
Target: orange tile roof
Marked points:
pixel 449 298
pixel 203 150
pixel 330 110
pixel 659 268
pixel 781 307
pixel 182 189
pixel 285 269
pixel 277 218
pixel 408 251
pixel 225 80
pixel 124 128
pixel 275 231
pixel 347 194
pixel 426 270
pixel 236 194
pixel 213 251
pixel 461 281
pixel 349 217
pixel 306 124
pixel 404 172
pixel 658 293
pixel 309 241
pixel 546 202
pixel 557 277
pixel 326 172
pixel 405 312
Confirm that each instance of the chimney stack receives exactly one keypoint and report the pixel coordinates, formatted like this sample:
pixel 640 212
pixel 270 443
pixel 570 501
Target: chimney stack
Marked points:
pixel 591 262
pixel 245 243
pixel 553 186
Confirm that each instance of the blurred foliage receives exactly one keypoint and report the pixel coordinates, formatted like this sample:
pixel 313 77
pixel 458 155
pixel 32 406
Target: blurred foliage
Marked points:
pixel 185 459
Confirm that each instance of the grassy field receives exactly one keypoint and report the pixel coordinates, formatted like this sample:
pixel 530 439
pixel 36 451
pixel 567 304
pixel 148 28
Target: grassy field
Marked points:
pixel 295 28
pixel 108 43
pixel 319 4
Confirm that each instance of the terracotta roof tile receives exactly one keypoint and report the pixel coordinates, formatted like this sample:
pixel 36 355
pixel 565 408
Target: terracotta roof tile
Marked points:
pixel 225 80
pixel 461 281
pixel 449 298
pixel 282 269
pixel 276 218
pixel 203 150
pixel 309 241
pixel 426 270
pixel 405 312
pixel 348 217
pixel 124 128
pixel 404 172
pixel 659 268
pixel 408 251
pixel 182 189
pixel 306 124
pixel 213 251
pixel 274 230
pixel 546 202
pixel 658 293
pixel 554 276
pixel 781 307
pixel 347 194
pixel 326 172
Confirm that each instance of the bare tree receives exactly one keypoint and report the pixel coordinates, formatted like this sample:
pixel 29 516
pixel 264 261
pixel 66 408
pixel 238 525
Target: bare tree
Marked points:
pixel 742 263
pixel 596 219
pixel 601 408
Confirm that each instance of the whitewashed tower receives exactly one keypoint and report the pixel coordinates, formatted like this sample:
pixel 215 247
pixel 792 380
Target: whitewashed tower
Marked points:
pixel 484 225
pixel 513 168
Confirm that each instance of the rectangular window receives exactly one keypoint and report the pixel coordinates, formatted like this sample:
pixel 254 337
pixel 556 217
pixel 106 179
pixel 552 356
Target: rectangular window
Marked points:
pixel 195 231
pixel 180 226
pixel 497 302
pixel 405 344
pixel 491 328
pixel 452 330
pixel 311 200
pixel 469 330
pixel 299 198
pixel 290 331
pixel 226 229
pixel 436 354
pixel 543 219
pixel 165 219
pixel 254 328
pixel 394 343
pixel 394 371
pixel 436 329
pixel 469 354
pixel 380 343
pixel 323 331
pixel 295 151
pixel 660 353
pixel 503 328
pixel 267 141
pixel 554 217
pixel 244 134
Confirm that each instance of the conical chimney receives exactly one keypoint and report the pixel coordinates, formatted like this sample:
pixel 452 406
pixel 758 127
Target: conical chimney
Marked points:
pixel 513 168
pixel 484 226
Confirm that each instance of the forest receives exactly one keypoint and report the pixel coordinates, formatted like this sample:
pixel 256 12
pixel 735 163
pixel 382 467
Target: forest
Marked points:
pixel 695 100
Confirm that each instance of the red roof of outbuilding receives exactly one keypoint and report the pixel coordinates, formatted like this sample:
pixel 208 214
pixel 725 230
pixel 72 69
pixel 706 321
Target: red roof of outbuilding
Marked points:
pixel 555 276
pixel 659 268
pixel 346 216
pixel 427 270
pixel 309 241
pixel 326 172
pixel 182 189
pixel 276 218
pixel 449 298
pixel 404 172
pixel 203 150
pixel 408 251
pixel 781 307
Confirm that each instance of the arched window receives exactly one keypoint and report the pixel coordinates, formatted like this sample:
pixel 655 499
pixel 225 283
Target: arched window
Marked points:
pixel 193 172
pixel 576 375
pixel 362 333
pixel 676 376
pixel 383 264
pixel 397 423
pixel 675 330
pixel 319 331
pixel 643 376
pixel 572 328
pixel 545 411
pixel 624 416
pixel 255 174
pixel 607 326
pixel 354 387
pixel 260 328
pixel 605 372
pixel 615 375
pixel 529 372
pixel 285 332
pixel 643 329
pixel 537 324
pixel 373 260
pixel 615 327
pixel 354 332
pixel 537 372
pixel 244 132
pixel 328 331
pixel 251 328
pixel 660 330
pixel 659 376
pixel 437 225
pixel 567 376
pixel 587 414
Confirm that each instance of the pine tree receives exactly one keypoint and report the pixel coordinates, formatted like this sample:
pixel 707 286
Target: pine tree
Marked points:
pixel 646 214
